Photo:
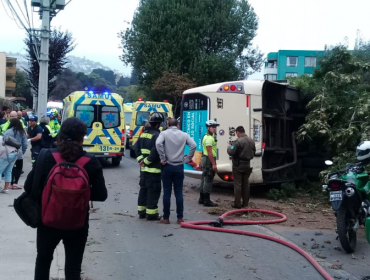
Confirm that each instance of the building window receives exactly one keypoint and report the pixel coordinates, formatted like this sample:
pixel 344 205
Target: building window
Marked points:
pixel 291 74
pixel 309 61
pixel 292 61
pixel 309 74
pixel 271 77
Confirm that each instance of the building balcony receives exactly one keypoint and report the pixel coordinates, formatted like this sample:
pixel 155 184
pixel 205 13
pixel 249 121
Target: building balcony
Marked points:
pixel 270 70
pixel 10 85
pixel 10 71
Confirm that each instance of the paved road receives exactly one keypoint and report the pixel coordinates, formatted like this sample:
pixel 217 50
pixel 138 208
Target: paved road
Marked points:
pixel 121 246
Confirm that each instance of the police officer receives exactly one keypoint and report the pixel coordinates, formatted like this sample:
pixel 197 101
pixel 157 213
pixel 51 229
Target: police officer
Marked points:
pixel 48 135
pixel 34 134
pixel 150 167
pixel 242 151
pixel 54 123
pixel 208 163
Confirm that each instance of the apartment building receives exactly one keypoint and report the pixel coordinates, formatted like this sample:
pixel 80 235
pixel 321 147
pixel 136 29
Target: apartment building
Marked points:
pixel 7 75
pixel 290 63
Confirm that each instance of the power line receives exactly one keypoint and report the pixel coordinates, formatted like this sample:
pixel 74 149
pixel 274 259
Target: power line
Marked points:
pixel 12 18
pixel 23 13
pixel 25 6
pixel 14 12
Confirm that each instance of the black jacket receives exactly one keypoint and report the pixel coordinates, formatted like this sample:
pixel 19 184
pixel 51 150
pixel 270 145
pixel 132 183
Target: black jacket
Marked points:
pixel 93 168
pixel 146 150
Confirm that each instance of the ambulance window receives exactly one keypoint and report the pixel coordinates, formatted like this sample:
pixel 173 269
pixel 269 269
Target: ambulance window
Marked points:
pixel 142 118
pixel 86 114
pixel 110 116
pixel 128 116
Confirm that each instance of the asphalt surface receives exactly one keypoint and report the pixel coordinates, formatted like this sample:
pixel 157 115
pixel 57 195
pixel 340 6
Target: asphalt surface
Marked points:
pixel 121 246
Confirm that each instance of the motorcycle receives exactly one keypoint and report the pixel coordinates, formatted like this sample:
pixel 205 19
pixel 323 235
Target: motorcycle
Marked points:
pixel 349 192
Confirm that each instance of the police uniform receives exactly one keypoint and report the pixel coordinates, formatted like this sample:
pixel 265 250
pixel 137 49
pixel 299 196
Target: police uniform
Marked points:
pixel 242 151
pixel 208 173
pixel 48 136
pixel 150 174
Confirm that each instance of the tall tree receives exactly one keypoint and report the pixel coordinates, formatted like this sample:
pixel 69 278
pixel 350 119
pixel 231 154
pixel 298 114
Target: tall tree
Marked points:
pixel 107 75
pixel 211 40
pixel 60 44
pixel 123 81
pixel 339 112
pixel 173 85
pixel 134 81
pixel 65 83
pixel 22 87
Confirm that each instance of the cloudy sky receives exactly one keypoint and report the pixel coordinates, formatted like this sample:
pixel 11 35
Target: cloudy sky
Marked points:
pixel 284 24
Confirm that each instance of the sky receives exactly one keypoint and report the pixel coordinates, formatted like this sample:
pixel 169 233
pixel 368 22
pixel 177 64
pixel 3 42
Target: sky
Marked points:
pixel 283 25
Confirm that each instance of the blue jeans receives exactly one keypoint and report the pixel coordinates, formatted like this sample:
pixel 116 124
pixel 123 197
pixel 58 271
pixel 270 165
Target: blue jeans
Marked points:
pixel 7 166
pixel 173 174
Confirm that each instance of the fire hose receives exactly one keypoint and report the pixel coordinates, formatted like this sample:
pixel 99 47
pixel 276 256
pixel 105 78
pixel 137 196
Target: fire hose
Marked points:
pixel 217 226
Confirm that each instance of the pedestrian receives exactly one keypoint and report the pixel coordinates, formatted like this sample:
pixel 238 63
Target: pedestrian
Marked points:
pixel 34 135
pixel 4 127
pixel 150 169
pixel 7 110
pixel 208 164
pixel 242 151
pixel 20 117
pixel 16 131
pixel 8 156
pixel 70 149
pixel 48 135
pixel 171 146
pixel 2 118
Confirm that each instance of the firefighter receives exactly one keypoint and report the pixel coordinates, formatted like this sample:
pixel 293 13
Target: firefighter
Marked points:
pixel 150 167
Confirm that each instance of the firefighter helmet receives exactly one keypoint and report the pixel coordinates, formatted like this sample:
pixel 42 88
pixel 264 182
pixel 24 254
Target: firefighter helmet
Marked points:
pixel 156 117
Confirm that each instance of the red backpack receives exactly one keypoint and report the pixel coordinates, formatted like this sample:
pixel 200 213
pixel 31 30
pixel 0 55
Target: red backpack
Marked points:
pixel 66 196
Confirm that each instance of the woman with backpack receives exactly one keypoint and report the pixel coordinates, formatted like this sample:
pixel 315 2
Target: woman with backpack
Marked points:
pixel 16 131
pixel 49 234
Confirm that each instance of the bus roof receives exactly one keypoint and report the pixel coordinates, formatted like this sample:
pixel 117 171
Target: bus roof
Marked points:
pixel 253 87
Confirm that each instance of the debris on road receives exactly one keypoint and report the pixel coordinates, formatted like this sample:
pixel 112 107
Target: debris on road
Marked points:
pixel 124 214
pixel 168 235
pixel 228 256
pixel 318 233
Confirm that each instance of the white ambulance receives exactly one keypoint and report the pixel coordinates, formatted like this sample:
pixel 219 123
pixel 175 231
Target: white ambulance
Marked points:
pixel 270 113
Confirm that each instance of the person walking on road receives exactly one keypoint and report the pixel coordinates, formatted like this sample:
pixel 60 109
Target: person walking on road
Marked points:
pixel 150 169
pixel 170 146
pixel 8 156
pixel 70 141
pixel 34 135
pixel 208 164
pixel 16 131
pixel 242 151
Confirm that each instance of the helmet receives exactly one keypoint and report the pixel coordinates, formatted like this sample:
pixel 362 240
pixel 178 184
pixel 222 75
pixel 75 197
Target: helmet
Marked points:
pixel 211 123
pixel 363 150
pixel 156 118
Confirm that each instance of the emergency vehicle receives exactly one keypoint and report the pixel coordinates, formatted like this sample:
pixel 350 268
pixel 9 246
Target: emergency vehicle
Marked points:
pixel 140 115
pixel 128 108
pixel 54 104
pixel 104 116
pixel 270 113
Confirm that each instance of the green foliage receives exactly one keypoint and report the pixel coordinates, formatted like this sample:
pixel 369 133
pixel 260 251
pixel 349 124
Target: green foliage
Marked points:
pixel 339 111
pixel 60 44
pixel 211 40
pixel 132 93
pixel 23 88
pixel 108 75
pixel 286 191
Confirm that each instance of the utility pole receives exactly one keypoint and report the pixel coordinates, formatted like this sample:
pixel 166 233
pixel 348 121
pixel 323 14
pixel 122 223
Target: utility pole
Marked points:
pixel 47 11
pixel 42 97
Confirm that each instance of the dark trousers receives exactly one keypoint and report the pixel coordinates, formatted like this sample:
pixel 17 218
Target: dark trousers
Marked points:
pixel 150 191
pixel 241 175
pixel 173 174
pixel 35 153
pixel 74 245
pixel 17 171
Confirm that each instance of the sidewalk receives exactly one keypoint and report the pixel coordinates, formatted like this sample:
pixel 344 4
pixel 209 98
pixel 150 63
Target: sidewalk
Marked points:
pixel 18 245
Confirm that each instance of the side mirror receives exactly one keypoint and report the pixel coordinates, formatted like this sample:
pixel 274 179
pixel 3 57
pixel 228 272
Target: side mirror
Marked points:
pixel 328 162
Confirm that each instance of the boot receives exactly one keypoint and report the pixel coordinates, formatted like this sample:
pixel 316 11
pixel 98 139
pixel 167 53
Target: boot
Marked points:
pixel 208 202
pixel 201 198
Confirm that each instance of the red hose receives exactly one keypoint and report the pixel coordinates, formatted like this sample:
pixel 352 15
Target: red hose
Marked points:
pixel 220 221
